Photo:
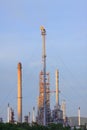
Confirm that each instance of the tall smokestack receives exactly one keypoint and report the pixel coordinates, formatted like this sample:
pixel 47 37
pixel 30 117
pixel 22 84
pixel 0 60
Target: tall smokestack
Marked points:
pixel 79 116
pixel 19 93
pixel 57 88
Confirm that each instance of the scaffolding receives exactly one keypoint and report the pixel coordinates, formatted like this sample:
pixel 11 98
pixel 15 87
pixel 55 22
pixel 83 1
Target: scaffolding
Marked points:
pixel 40 117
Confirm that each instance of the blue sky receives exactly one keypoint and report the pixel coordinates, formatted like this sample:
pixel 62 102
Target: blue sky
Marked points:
pixel 66 45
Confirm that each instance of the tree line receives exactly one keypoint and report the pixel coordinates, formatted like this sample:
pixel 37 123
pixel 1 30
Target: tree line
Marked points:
pixel 33 126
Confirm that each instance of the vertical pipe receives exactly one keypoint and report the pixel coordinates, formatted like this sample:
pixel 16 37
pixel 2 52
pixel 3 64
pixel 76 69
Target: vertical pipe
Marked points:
pixel 19 93
pixel 57 88
pixel 43 33
pixel 79 116
pixel 8 113
pixel 33 119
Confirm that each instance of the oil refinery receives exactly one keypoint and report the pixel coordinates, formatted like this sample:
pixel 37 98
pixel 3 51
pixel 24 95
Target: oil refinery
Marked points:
pixel 44 114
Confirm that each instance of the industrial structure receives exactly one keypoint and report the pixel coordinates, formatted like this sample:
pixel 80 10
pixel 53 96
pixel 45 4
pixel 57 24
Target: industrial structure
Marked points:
pixel 33 115
pixel 43 33
pixel 79 117
pixel 57 88
pixel 73 121
pixel 40 119
pixel 57 113
pixel 45 115
pixel 63 107
pixel 19 93
pixel 10 114
pixel 27 118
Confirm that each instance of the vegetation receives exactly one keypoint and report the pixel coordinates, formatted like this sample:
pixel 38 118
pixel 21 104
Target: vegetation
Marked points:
pixel 25 126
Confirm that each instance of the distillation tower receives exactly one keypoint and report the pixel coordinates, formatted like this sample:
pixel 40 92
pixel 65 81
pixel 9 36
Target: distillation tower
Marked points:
pixel 57 113
pixel 57 88
pixel 43 116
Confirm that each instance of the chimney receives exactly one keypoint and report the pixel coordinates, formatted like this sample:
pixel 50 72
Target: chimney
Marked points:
pixel 19 93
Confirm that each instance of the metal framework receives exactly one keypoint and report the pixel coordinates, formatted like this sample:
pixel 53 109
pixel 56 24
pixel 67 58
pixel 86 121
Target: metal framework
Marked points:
pixel 41 99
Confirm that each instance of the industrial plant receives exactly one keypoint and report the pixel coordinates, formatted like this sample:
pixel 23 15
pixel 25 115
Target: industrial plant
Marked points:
pixel 44 115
